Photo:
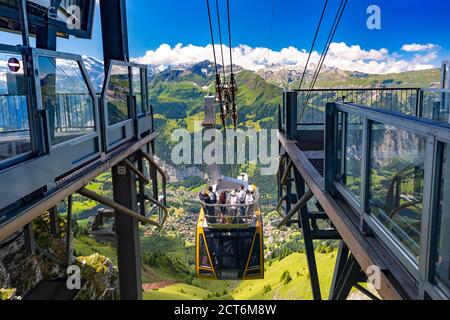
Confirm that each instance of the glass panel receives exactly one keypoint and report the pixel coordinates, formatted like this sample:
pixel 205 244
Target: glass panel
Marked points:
pixel 436 105
pixel 339 141
pixel 443 236
pixel 66 97
pixel 396 183
pixel 118 94
pixel 446 77
pixel 353 155
pixel 137 87
pixel 14 125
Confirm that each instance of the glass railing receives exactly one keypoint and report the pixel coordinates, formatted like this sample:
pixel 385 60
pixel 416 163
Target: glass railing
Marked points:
pixel 50 121
pixel 232 214
pixel 125 103
pixel 15 137
pixel 393 171
pixel 13 113
pixel 435 104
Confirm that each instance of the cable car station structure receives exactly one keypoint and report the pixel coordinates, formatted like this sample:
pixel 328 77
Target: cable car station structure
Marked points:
pixel 58 135
pixel 374 162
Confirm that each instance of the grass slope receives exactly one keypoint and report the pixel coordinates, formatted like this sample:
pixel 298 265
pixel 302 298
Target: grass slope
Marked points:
pixel 86 246
pixel 179 291
pixel 299 288
pixel 271 288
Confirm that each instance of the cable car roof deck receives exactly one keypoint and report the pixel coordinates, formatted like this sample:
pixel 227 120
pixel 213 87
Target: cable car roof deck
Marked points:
pixel 229 240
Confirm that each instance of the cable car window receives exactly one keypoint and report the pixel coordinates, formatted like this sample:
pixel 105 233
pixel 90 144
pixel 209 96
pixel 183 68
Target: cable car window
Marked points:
pixel 396 183
pixel 14 121
pixel 66 97
pixel 137 87
pixel 442 263
pixel 118 93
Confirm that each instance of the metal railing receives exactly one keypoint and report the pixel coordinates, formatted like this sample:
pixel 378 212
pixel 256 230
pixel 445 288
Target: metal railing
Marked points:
pixel 71 112
pixel 232 214
pixel 74 111
pixel 389 168
pixel 428 103
pixel 434 104
pixel 403 100
pixel 13 113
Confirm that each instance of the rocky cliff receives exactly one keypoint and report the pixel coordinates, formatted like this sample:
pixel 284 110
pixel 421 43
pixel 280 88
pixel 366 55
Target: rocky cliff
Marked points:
pixel 20 271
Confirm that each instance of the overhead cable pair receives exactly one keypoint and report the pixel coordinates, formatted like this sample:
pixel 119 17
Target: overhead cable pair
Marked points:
pixel 225 91
pixel 330 38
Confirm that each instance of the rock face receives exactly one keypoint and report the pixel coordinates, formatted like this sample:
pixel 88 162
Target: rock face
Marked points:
pixel 101 278
pixel 176 174
pixel 20 272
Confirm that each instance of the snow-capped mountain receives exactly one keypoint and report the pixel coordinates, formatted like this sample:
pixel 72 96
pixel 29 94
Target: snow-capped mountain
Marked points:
pixel 284 76
pixel 96 72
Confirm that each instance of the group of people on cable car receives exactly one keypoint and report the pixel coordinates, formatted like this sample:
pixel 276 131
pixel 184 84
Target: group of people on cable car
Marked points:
pixel 236 203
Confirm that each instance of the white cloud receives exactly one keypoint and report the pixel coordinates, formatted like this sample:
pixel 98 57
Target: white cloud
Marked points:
pixel 341 55
pixel 416 47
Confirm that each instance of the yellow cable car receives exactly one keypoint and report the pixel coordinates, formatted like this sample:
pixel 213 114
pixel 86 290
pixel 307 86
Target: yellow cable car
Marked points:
pixel 229 240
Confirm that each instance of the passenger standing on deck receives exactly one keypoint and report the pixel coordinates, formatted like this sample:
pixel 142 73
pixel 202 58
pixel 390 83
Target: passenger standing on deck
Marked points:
pixel 223 208
pixel 241 199
pixel 203 196
pixel 206 200
pixel 250 203
pixel 212 195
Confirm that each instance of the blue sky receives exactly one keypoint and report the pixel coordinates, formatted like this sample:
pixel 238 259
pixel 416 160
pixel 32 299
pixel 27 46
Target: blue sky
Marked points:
pixel 156 22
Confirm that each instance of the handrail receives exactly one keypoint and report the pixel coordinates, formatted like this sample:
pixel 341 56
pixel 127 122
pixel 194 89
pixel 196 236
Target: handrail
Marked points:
pixel 280 206
pixel 161 206
pixel 163 174
pixel 303 201
pixel 117 207
pixel 422 125
pixel 137 172
pixel 217 205
pixel 157 167
pixel 358 89
pixel 435 90
pixel 238 216
pixel 396 215
pixel 405 100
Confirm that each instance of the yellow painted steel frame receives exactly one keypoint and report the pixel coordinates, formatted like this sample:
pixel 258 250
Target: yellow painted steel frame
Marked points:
pixel 200 236
pixel 258 231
